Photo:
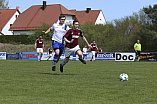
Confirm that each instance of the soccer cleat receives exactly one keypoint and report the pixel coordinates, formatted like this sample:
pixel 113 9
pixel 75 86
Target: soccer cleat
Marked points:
pixel 53 68
pixel 83 61
pixel 61 68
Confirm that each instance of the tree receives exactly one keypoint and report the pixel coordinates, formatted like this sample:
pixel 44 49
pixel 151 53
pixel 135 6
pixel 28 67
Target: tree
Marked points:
pixel 151 11
pixel 4 4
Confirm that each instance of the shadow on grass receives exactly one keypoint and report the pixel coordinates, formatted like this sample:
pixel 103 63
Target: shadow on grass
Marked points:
pixel 58 74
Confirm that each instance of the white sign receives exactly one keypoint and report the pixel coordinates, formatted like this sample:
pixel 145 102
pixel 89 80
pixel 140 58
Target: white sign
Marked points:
pixel 125 56
pixel 2 55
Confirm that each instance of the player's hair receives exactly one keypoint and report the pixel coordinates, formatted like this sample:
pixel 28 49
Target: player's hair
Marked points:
pixel 61 16
pixel 75 21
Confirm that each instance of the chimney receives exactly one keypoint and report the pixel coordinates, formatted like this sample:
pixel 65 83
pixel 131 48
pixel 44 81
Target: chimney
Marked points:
pixel 18 8
pixel 87 10
pixel 44 5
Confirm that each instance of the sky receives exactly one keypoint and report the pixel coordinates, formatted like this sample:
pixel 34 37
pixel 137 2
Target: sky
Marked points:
pixel 112 9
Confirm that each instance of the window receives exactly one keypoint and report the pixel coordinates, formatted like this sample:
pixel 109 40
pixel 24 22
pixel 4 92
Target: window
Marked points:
pixel 16 16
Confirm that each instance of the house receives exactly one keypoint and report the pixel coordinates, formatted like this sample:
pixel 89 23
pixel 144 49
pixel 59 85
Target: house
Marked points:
pixel 7 18
pixel 33 17
pixel 36 15
pixel 90 16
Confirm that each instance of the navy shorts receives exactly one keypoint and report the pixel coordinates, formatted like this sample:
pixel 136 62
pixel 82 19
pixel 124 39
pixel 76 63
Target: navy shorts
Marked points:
pixel 57 45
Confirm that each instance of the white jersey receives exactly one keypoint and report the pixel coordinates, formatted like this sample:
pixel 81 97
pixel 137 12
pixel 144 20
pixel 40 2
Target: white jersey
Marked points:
pixel 59 32
pixel 85 50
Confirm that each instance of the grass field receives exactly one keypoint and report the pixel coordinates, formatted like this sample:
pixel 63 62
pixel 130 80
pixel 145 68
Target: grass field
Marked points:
pixel 33 82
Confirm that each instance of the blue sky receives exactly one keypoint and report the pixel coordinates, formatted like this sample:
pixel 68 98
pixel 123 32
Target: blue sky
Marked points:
pixel 112 9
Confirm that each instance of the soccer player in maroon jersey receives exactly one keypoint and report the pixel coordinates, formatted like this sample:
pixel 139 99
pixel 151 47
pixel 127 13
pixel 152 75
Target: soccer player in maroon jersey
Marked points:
pixel 50 50
pixel 71 39
pixel 100 50
pixel 93 50
pixel 39 45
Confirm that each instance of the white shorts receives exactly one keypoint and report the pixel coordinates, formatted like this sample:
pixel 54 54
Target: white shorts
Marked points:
pixel 93 52
pixel 50 54
pixel 69 51
pixel 39 50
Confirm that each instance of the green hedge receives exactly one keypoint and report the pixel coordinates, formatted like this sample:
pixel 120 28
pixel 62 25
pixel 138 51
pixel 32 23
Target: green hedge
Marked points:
pixel 22 39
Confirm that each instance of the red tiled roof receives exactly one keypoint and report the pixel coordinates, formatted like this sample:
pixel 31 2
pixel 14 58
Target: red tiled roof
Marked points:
pixel 84 17
pixel 5 16
pixel 34 16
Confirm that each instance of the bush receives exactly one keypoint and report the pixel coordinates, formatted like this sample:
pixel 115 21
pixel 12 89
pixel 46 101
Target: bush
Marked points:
pixel 20 39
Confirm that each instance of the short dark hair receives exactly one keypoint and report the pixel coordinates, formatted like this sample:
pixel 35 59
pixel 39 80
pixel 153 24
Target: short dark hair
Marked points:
pixel 75 21
pixel 61 16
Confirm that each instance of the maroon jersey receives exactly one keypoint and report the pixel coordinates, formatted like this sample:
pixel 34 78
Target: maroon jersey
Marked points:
pixel 39 43
pixel 50 50
pixel 73 34
pixel 100 50
pixel 93 46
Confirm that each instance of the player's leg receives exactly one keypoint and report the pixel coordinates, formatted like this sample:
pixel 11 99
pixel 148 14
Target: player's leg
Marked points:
pixel 61 48
pixel 79 53
pixel 38 51
pixel 136 57
pixel 56 49
pixel 50 55
pixel 68 52
pixel 93 55
pixel 138 52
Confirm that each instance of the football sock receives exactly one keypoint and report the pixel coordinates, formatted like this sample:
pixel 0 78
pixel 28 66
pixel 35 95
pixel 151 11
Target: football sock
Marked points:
pixel 63 63
pixel 38 57
pixel 138 59
pixel 49 57
pixel 94 57
pixel 55 59
pixel 80 57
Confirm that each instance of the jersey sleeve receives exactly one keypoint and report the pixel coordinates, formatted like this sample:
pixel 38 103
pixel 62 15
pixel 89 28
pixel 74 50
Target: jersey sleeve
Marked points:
pixel 52 28
pixel 36 41
pixel 67 34
pixel 81 34
pixel 135 45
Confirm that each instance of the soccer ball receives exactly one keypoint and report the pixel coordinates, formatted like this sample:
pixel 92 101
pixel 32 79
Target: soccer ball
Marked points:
pixel 123 77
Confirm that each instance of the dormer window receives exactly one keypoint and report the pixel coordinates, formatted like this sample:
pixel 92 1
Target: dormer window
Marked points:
pixel 16 16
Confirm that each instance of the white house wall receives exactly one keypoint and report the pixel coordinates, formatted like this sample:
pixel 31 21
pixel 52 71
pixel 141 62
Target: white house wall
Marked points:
pixel 24 32
pixel 100 19
pixel 6 28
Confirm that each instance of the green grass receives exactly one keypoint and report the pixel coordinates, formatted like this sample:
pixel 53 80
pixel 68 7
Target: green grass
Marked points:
pixel 33 82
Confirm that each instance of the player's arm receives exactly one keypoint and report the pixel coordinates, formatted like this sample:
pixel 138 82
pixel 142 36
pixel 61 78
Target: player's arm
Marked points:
pixel 50 29
pixel 35 45
pixel 68 41
pixel 66 36
pixel 43 47
pixel 97 48
pixel 135 48
pixel 86 42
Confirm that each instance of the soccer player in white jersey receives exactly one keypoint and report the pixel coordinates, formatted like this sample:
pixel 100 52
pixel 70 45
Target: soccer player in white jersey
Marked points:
pixel 57 39
pixel 85 53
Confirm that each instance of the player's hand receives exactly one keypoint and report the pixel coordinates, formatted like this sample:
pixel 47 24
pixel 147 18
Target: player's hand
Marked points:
pixel 43 32
pixel 34 47
pixel 90 46
pixel 72 40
